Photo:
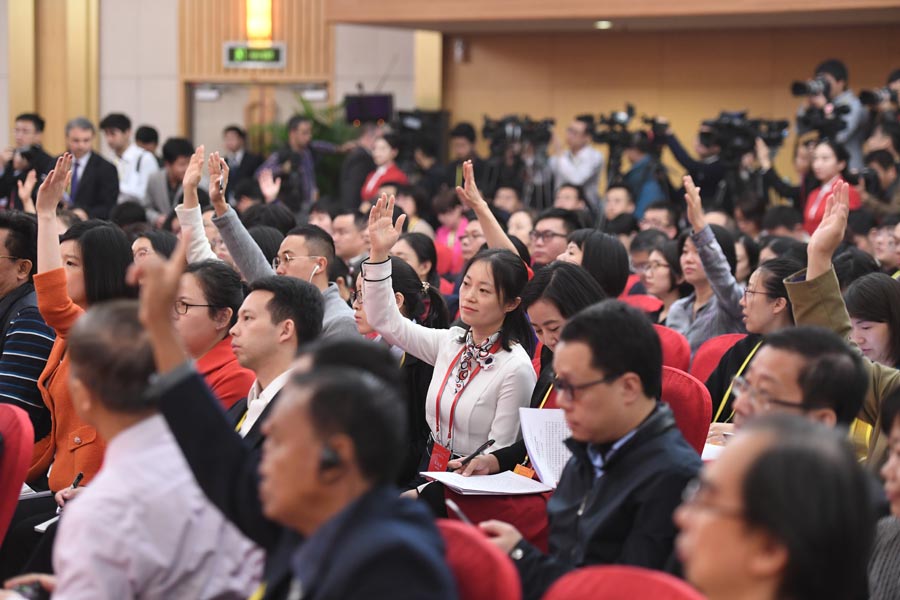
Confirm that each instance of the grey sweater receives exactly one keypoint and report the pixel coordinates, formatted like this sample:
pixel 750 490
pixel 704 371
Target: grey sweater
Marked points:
pixel 250 260
pixel 884 566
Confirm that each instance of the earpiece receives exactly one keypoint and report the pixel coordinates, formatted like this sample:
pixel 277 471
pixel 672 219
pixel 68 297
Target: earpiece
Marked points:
pixel 314 271
pixel 329 459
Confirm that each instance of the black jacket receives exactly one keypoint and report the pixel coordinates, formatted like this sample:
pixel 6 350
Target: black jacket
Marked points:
pixel 718 381
pixel 356 167
pixel 417 375
pixel 623 517
pixel 98 188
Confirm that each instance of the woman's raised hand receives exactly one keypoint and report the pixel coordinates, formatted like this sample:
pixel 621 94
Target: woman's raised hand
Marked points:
pixel 383 232
pixel 54 186
pixel 694 206
pixel 469 194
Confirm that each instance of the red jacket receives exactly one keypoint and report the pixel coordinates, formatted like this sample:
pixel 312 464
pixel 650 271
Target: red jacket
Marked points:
pixel 227 379
pixel 815 207
pixel 374 180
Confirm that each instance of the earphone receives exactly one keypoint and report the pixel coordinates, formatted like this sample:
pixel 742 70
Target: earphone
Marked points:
pixel 313 274
pixel 329 459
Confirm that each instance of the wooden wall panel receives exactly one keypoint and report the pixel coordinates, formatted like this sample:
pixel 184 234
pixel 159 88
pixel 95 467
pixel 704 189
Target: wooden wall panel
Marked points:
pixel 206 24
pixel 687 76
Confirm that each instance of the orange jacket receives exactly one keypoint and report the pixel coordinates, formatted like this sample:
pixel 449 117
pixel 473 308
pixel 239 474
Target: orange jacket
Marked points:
pixel 72 446
pixel 227 379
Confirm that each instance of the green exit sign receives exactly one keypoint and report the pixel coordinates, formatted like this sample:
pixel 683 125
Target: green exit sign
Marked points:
pixel 241 55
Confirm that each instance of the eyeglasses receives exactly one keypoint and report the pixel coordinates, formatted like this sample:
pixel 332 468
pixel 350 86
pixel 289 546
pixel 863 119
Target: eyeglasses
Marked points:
pixel 471 238
pixel 651 266
pixel 544 236
pixel 760 401
pixel 141 253
pixel 695 495
pixel 356 296
pixel 653 223
pixel 288 258
pixel 12 257
pixel 564 387
pixel 748 292
pixel 182 307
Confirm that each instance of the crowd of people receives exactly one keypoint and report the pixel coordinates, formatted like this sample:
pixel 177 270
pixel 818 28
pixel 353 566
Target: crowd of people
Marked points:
pixel 235 383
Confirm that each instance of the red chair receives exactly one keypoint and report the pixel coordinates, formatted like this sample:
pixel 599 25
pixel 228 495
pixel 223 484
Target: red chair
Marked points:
pixel 711 352
pixel 689 400
pixel 481 570
pixel 620 583
pixel 15 456
pixel 676 351
pixel 527 513
pixel 643 302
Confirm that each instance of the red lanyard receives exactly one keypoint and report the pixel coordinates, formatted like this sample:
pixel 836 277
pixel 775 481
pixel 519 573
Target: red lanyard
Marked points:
pixel 459 393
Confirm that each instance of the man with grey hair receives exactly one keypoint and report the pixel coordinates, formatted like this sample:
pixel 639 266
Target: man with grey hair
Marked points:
pixel 95 180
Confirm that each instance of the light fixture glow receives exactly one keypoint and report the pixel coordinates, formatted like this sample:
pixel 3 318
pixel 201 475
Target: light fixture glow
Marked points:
pixel 603 25
pixel 259 20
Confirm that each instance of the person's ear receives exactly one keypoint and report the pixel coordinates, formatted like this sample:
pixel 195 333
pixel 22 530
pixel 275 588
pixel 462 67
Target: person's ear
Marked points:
pixel 826 416
pixel 769 557
pixel 287 330
pixel 631 387
pixel 512 305
pixel 424 268
pixel 222 318
pixel 780 305
pixel 398 298
pixel 23 269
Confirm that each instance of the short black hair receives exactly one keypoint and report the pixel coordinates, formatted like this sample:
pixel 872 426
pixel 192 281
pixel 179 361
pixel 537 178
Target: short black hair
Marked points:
pixel 604 258
pixel 876 297
pixel 851 263
pixel 621 186
pixel 236 130
pixel 146 135
pixel 781 216
pixel 666 206
pixel 808 491
pixel 426 146
pixel 637 348
pixel 106 255
pixel 294 299
pixel 463 130
pixel 861 222
pixel 111 354
pixel 624 224
pixel 175 148
pixel 359 405
pixel 834 67
pixel 268 239
pixel 834 375
pixel 34 119
pixel 116 121
pixel 772 275
pixel 317 241
pixel 784 246
pixel 882 158
pixel 321 206
pixel 648 241
pixel 21 237
pixel 249 188
pixel 360 220
pixel 579 191
pixel 568 287
pixel 571 220
pixel 162 241
pixel 128 213
pixel 278 216
pixel 295 121
pixel 221 286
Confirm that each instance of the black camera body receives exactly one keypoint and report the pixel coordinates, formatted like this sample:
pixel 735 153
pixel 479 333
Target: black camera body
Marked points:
pixel 736 135
pixel 873 98
pixel 812 87
pixel 513 129
pixel 827 121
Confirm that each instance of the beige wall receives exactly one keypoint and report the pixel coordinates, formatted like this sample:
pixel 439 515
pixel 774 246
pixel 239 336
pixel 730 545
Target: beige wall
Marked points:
pixel 139 62
pixel 5 124
pixel 380 58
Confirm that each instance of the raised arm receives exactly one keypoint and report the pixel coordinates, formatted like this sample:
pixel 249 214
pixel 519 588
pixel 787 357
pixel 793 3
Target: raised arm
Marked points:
pixel 472 199
pixel 49 195
pixel 189 214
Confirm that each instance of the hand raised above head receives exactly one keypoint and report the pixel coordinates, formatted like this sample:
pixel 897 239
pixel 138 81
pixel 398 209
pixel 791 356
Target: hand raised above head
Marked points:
pixel 695 213
pixel 383 232
pixel 830 232
pixel 194 171
pixel 469 194
pixel 54 186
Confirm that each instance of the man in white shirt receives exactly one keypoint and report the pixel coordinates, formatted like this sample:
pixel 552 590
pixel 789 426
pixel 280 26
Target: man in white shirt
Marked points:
pixel 279 315
pixel 581 164
pixel 135 165
pixel 143 528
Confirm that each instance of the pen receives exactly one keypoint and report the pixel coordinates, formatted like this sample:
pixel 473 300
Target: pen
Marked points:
pixel 480 449
pixel 75 483
pixel 458 512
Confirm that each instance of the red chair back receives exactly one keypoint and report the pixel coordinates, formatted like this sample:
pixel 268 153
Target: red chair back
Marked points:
pixel 689 400
pixel 528 513
pixel 676 350
pixel 15 456
pixel 643 302
pixel 710 352
pixel 620 583
pixel 481 570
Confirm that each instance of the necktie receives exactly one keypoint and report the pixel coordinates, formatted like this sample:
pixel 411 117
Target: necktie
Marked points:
pixel 73 187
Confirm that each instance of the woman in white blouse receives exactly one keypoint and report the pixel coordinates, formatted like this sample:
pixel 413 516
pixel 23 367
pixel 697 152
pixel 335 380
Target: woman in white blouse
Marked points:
pixel 482 371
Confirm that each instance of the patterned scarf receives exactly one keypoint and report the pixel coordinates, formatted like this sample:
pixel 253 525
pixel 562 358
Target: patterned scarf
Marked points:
pixel 474 353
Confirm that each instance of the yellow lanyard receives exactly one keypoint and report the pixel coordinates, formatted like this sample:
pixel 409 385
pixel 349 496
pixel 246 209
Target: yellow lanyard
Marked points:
pixel 403 359
pixel 547 395
pixel 241 422
pixel 738 374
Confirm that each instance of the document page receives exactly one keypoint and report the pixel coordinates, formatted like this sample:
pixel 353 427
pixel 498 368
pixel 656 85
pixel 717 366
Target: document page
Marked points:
pixel 501 484
pixel 545 431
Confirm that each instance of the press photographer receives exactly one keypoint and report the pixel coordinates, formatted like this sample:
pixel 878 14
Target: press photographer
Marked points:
pixel 580 164
pixel 519 158
pixel 707 169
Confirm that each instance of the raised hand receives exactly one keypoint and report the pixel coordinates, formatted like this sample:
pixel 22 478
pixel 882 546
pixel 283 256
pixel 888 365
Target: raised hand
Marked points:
pixel 762 155
pixel 51 191
pixel 218 180
pixel 695 213
pixel 830 232
pixel 194 172
pixel 469 195
pixel 383 232
pixel 159 281
pixel 270 185
pixel 25 190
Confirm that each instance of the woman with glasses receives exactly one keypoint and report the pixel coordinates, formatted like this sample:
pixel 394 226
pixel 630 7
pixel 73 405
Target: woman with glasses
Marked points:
pixel 153 243
pixel 663 279
pixel 708 261
pixel 419 302
pixel 600 254
pixel 209 296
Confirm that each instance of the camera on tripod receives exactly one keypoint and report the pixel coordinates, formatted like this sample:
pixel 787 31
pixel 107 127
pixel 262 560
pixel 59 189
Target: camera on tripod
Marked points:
pixel 812 87
pixel 736 135
pixel 512 130
pixel 826 121
pixel 873 98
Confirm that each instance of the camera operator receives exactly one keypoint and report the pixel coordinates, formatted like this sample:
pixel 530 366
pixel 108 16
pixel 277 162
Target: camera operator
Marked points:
pixel 707 170
pixel 803 149
pixel 646 176
pixel 581 163
pixel 829 93
pixel 880 186
pixel 462 148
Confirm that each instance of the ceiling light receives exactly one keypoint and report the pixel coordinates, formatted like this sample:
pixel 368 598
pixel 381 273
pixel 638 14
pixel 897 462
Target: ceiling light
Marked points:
pixel 603 25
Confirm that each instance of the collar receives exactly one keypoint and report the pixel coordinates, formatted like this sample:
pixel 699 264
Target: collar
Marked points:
pixel 83 161
pixel 265 395
pixel 139 436
pixel 598 456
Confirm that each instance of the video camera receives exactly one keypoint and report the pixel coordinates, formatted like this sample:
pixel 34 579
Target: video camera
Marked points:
pixel 812 87
pixel 615 127
pixel 736 135
pixel 512 129
pixel 827 121
pixel 873 98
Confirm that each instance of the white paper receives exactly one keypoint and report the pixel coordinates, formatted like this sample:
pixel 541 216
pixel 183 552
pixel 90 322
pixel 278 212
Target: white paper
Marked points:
pixel 711 452
pixel 27 493
pixel 545 431
pixel 506 483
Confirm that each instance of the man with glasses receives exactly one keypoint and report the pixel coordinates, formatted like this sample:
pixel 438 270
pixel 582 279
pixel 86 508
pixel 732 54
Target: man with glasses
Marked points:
pixel 550 233
pixel 629 464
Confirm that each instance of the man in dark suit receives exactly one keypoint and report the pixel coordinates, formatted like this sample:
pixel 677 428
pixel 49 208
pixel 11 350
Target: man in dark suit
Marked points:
pixel 330 522
pixel 356 167
pixel 242 164
pixel 95 180
pixel 29 129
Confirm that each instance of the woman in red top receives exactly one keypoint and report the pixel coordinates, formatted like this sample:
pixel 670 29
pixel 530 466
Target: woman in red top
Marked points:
pixel 384 153
pixel 829 165
pixel 206 308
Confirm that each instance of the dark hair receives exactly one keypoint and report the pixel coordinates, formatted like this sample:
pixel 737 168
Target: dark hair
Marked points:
pixel 106 256
pixel 128 213
pixel 34 119
pixel 840 153
pixel 444 202
pixel 624 224
pixel 419 196
pixel 321 206
pixel 640 141
pixel 221 285
pixel 163 242
pixel 361 220
pixel 772 275
pixel 723 238
pixel 510 277
pixel 751 248
pixel 833 375
pixel 781 216
pixel 852 263
pixel 604 258
pixel 621 186
pixel 357 404
pixel 784 246
pixel 235 130
pixel 648 241
pixel 876 297
pixel 421 301
pixel 273 215
pixel 570 219
pixel 249 188
pixel 636 349
pixel 882 158
pixel 463 130
pixel 391 140
pixel 568 287
pixel 338 270
pixel 426 146
pixel 295 121
pixel 317 241
pixel 115 121
pixel 809 492
pixel 268 239
pixel 296 300
pixel 357 353
pixel 579 191
pixel 175 148
pixel 666 206
pixel 111 354
pixel 861 222
pixel 670 253
pixel 146 135
pixel 423 246
pixel 835 68
pixel 890 410
pixel 752 207
pixel 21 236
pixel 521 249
pixel 67 216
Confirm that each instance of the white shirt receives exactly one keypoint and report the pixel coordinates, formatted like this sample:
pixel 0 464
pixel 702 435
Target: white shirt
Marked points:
pixel 581 168
pixel 144 529
pixel 488 407
pixel 258 399
pixel 135 166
